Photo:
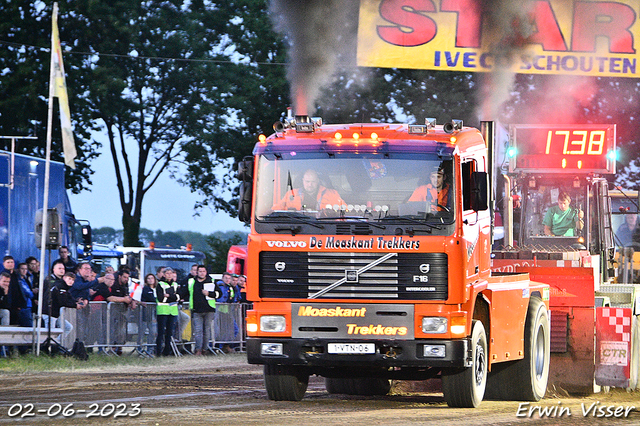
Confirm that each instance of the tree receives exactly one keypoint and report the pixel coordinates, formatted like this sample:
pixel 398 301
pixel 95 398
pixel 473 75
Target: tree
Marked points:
pixel 257 94
pixel 217 256
pixel 154 86
pixel 104 235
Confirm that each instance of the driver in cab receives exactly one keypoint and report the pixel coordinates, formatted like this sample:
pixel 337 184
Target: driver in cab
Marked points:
pixel 436 193
pixel 561 220
pixel 312 195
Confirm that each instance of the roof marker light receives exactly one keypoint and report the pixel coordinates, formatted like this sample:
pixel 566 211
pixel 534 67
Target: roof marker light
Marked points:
pixel 338 136
pixel 374 136
pixel 356 136
pixel 262 138
pixel 417 129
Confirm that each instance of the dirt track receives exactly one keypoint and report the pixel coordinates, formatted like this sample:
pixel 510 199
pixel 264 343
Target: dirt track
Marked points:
pixel 194 391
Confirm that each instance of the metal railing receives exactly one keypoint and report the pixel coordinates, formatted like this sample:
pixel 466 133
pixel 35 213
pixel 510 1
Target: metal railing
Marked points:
pixel 112 327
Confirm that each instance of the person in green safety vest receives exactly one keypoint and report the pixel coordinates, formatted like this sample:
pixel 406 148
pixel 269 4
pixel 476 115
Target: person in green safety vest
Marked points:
pixel 167 311
pixel 201 293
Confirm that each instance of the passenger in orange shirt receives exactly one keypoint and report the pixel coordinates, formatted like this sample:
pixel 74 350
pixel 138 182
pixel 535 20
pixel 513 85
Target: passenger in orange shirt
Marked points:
pixel 312 195
pixel 435 193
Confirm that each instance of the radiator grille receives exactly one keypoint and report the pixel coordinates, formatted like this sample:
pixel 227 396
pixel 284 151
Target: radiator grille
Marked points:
pixel 405 276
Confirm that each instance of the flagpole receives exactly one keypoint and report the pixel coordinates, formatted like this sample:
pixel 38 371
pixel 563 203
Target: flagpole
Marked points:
pixel 45 202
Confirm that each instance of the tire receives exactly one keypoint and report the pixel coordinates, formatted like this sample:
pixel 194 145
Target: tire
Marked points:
pixel 285 383
pixel 531 374
pixel 465 388
pixel 367 386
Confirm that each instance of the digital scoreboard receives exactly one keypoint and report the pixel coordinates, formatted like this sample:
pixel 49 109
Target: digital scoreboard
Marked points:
pixel 571 148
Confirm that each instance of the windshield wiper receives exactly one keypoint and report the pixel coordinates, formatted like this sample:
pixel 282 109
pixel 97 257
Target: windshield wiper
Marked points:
pixel 299 217
pixel 408 219
pixel 356 218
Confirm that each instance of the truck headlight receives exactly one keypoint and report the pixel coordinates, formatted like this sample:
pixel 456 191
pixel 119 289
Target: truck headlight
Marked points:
pixel 273 323
pixel 434 325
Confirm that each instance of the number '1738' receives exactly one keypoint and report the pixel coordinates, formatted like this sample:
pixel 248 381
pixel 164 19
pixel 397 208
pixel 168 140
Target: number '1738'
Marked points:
pixel 577 142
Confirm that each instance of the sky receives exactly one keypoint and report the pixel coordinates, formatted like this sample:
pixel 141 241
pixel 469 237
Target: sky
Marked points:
pixel 167 206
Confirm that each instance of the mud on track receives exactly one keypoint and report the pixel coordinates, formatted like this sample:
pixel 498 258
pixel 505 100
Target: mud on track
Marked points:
pixel 225 390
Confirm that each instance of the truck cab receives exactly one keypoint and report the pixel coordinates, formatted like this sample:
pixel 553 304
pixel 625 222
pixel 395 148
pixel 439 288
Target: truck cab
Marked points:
pixel 369 260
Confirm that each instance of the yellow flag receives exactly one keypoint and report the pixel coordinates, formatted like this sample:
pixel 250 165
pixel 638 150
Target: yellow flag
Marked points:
pixel 60 92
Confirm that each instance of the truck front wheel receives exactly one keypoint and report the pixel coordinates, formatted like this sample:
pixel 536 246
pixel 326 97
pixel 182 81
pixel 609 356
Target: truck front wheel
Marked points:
pixel 285 383
pixel 465 388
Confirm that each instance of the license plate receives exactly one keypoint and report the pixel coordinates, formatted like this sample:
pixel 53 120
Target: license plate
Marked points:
pixel 351 348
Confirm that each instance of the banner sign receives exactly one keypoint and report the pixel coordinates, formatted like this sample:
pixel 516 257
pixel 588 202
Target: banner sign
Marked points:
pixel 570 37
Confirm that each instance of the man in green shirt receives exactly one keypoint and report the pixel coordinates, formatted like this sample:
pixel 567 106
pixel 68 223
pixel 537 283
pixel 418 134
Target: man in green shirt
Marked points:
pixel 562 220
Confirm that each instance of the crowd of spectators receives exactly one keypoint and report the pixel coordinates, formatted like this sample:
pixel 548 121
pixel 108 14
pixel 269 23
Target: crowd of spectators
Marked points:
pixel 73 285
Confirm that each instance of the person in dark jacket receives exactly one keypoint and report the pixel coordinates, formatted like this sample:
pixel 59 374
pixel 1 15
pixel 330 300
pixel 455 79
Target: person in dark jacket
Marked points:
pixel 70 265
pixel 201 293
pixel 5 280
pixel 34 278
pixel 149 290
pixel 22 297
pixel 9 266
pixel 226 289
pixel 148 302
pixel 48 310
pixel 61 297
pixel 242 291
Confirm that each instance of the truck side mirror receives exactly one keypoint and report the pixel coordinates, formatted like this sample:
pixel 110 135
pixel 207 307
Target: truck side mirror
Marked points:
pixel 245 175
pixel 245 170
pixel 479 191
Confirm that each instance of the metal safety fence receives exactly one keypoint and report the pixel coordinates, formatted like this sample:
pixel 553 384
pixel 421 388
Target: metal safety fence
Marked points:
pixel 112 327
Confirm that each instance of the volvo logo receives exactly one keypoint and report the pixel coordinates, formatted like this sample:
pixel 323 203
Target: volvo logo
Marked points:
pixel 280 266
pixel 351 275
pixel 425 268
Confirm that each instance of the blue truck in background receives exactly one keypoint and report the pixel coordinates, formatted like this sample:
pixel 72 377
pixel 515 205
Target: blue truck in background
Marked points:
pixel 21 198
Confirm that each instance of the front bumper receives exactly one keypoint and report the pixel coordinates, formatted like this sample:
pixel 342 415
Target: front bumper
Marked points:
pixel 389 353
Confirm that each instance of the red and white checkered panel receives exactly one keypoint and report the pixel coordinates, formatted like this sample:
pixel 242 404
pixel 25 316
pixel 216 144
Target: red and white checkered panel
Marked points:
pixel 615 322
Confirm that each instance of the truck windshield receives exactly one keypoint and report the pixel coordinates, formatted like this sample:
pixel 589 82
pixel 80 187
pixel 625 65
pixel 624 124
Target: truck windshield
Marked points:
pixel 320 188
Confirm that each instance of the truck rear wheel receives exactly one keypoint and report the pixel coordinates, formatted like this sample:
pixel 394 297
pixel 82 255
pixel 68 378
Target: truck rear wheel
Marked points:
pixel 358 385
pixel 285 383
pixel 465 388
pixel 531 374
